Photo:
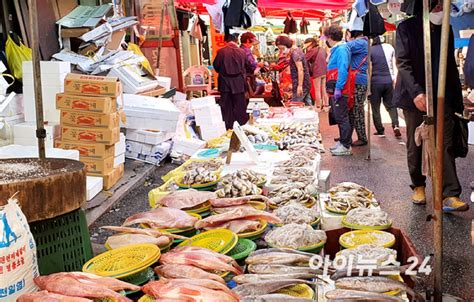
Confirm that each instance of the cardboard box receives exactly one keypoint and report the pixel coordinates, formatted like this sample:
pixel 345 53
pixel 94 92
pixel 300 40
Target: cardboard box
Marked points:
pixel 90 135
pixel 98 167
pixel 92 85
pixel 100 104
pixel 113 177
pixel 98 151
pixel 90 119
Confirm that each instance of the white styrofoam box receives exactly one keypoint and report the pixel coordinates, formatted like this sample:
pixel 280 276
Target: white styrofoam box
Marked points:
pixel 212 131
pixel 121 146
pixel 11 105
pixel 19 151
pixel 152 137
pixel 47 67
pixel 94 186
pixel 48 92
pixel 49 79
pixel 470 139
pixel 50 113
pixel 164 82
pixel 187 146
pixel 155 124
pixel 154 155
pixel 25 134
pixel 324 180
pixel 203 102
pixel 208 115
pixel 329 221
pixel 118 160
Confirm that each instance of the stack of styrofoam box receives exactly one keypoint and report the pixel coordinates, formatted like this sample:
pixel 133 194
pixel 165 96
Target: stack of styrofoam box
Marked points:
pixel 52 82
pixel 208 117
pixel 153 154
pixel 25 134
pixel 187 146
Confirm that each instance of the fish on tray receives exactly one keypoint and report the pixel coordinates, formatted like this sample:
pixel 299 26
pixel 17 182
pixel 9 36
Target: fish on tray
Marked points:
pixel 202 258
pixel 274 298
pixel 121 240
pixel 280 269
pixel 237 226
pixel 190 290
pixel 149 232
pixel 45 296
pixel 163 218
pixel 77 284
pixel 237 201
pixel 185 199
pixel 228 209
pixel 182 271
pixel 265 287
pixel 252 278
pixel 355 295
pixel 278 256
pixel 241 213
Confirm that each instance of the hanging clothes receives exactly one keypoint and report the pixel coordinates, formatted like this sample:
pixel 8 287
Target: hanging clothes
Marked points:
pixel 183 19
pixel 195 29
pixel 374 24
pixel 304 26
pixel 290 25
pixel 251 10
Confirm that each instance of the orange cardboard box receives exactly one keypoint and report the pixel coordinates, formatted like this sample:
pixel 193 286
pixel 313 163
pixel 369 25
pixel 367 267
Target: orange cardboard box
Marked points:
pixel 89 119
pixel 98 167
pixel 92 85
pixel 98 151
pixel 90 135
pixel 100 104
pixel 113 177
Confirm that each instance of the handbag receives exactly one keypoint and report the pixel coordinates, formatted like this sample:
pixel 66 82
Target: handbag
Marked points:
pixel 460 136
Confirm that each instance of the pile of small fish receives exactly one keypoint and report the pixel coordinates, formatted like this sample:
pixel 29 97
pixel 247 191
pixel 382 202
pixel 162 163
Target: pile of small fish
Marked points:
pixel 306 149
pixel 258 138
pixel 223 205
pixel 347 196
pixel 301 172
pixel 369 252
pixel 239 220
pixel 305 176
pixel 295 236
pixel 298 133
pixel 298 192
pixel 77 287
pixel 295 212
pixel 296 161
pixel 186 199
pixel 198 176
pixel 367 217
pixel 129 236
pixel 239 184
pixel 211 165
pixel 352 189
pixel 162 218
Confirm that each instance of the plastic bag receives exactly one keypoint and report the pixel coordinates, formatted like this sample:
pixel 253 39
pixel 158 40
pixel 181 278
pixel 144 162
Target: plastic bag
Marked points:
pixel 136 50
pixel 16 55
pixel 18 265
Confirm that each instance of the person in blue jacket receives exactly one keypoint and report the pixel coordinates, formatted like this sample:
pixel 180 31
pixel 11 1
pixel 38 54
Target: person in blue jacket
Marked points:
pixel 359 48
pixel 339 58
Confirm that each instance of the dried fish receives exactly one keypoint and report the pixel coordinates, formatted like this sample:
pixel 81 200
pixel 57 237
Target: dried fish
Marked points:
pixel 291 192
pixel 367 217
pixel 296 161
pixel 211 165
pixel 295 236
pixel 252 278
pixel 199 175
pixel 265 287
pixel 278 257
pixel 274 298
pixel 351 295
pixel 281 269
pixel 294 212
pixel 240 183
pixel 353 188
pixel 345 201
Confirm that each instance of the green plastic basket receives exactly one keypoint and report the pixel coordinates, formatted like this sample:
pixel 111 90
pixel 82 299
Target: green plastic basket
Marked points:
pixel 243 248
pixel 140 278
pixel 62 243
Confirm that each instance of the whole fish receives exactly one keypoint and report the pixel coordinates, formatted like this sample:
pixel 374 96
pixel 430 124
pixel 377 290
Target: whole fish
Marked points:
pixel 278 258
pixel 121 240
pixel 354 295
pixel 88 278
pixel 183 199
pixel 240 213
pixel 45 296
pixel 265 287
pixel 274 298
pixel 149 232
pixel 180 271
pixel 228 209
pixel 376 285
pixel 237 201
pixel 251 278
pixel 280 250
pixel 163 218
pixel 237 226
pixel 280 269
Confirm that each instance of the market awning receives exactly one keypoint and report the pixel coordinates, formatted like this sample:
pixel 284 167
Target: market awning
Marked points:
pixel 305 4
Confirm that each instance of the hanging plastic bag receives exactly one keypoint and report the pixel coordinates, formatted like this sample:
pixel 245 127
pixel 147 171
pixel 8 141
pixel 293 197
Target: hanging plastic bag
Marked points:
pixel 16 55
pixel 136 50
pixel 18 266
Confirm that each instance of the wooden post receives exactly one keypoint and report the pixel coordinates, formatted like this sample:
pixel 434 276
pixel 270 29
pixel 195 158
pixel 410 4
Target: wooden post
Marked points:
pixel 369 96
pixel 40 131
pixel 234 146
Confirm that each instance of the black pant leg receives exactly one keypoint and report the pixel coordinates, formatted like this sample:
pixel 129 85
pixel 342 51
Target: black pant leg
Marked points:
pixel 388 103
pixel 414 119
pixel 226 109
pixel 375 101
pixel 239 108
pixel 341 115
pixel 451 185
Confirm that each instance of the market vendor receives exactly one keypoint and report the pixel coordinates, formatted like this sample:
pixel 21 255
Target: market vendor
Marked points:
pixel 230 64
pixel 299 70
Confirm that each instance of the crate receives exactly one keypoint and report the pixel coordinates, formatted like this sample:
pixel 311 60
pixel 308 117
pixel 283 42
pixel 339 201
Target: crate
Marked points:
pixel 62 243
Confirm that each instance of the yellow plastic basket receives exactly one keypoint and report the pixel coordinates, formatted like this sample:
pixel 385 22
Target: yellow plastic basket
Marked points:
pixel 123 262
pixel 365 227
pixel 181 170
pixel 155 195
pixel 146 298
pixel 298 291
pixel 356 238
pixel 218 240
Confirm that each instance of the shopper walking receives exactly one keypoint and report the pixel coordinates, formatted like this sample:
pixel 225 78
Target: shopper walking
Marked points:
pixel 316 57
pixel 410 95
pixel 339 59
pixel 382 82
pixel 230 64
pixel 299 70
pixel 358 46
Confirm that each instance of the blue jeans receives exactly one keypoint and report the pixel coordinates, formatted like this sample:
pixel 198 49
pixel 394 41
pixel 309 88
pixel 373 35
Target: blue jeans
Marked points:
pixel 340 112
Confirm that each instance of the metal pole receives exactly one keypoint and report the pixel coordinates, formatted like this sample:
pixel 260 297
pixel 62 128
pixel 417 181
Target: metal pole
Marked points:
pixel 438 196
pixel 369 96
pixel 40 132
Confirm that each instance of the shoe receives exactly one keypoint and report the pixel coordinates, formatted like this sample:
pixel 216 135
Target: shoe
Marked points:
pixel 452 204
pixel 336 139
pixel 335 146
pixel 359 143
pixel 419 196
pixel 379 134
pixel 397 132
pixel 341 151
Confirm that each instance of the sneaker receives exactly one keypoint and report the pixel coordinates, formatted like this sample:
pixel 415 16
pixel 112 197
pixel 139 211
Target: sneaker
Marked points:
pixel 452 204
pixel 379 134
pixel 419 196
pixel 341 151
pixel 359 143
pixel 397 132
pixel 335 146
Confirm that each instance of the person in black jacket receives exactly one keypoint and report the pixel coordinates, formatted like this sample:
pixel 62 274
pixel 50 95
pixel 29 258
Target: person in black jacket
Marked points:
pixel 410 95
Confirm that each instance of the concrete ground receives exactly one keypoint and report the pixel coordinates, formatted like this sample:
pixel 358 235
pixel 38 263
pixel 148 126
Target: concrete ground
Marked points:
pixel 387 175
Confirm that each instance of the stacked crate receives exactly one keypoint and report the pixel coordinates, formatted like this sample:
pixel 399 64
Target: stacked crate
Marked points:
pixel 90 123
